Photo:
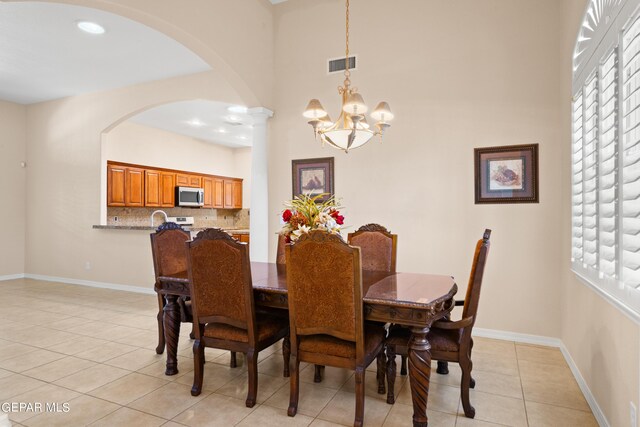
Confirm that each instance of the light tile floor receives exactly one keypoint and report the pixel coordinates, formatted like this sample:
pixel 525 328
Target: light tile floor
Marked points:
pixel 94 349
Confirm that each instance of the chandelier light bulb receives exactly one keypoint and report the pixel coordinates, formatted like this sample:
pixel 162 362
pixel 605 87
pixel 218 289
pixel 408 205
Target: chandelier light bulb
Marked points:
pixel 382 113
pixel 314 110
pixel 355 104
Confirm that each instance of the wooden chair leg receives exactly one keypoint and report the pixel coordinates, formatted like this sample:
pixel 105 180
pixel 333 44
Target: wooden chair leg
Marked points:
pixel 381 361
pixel 286 355
pixel 466 366
pixel 192 334
pixel 359 420
pixel 319 372
pixel 443 368
pixel 472 383
pixel 161 342
pixel 294 391
pixel 233 363
pixel 403 365
pixel 391 373
pixel 198 367
pixel 252 367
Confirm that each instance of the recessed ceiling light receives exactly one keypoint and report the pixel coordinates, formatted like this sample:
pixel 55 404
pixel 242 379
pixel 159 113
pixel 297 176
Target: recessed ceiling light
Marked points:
pixel 90 27
pixel 221 130
pixel 238 109
pixel 233 119
pixel 195 123
pixel 242 137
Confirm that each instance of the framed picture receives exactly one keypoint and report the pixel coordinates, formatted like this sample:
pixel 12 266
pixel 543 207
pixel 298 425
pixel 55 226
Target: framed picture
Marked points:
pixel 506 174
pixel 313 176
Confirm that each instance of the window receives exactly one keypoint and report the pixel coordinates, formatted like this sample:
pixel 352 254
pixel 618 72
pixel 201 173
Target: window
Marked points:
pixel 605 153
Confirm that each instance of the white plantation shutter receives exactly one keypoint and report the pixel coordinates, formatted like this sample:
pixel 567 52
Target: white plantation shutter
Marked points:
pixel 631 157
pixel 590 175
pixel 576 193
pixel 607 159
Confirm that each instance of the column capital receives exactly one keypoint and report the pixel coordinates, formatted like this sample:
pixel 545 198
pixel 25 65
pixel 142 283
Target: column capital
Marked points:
pixel 260 114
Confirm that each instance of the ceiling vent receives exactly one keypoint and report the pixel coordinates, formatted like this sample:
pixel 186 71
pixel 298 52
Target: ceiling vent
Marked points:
pixel 339 64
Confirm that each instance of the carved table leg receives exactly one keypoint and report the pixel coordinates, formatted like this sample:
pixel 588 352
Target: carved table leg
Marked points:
pixel 172 332
pixel 160 347
pixel 419 374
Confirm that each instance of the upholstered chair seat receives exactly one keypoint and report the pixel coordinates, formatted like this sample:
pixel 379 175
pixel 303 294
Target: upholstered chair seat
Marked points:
pixel 374 336
pixel 266 326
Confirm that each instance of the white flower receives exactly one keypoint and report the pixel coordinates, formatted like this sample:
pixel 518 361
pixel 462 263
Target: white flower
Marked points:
pixel 297 233
pixel 323 218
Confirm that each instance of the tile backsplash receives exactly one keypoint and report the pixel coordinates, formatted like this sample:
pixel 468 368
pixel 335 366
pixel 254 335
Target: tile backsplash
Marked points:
pixel 203 218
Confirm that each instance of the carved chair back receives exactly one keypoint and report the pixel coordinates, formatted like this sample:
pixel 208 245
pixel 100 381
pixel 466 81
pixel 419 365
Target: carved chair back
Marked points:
pixel 378 247
pixel 472 298
pixel 220 279
pixel 280 255
pixel 324 281
pixel 167 248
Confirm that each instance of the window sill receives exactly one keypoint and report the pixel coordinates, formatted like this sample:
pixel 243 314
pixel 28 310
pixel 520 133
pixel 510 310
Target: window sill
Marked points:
pixel 625 299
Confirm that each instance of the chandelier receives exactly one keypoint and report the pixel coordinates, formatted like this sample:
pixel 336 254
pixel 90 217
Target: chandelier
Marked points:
pixel 351 129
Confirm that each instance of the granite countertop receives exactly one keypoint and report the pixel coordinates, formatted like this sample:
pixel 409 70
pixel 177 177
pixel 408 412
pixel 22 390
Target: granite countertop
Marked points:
pixel 149 228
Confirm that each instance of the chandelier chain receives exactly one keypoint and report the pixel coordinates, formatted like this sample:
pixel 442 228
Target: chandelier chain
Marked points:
pixel 347 73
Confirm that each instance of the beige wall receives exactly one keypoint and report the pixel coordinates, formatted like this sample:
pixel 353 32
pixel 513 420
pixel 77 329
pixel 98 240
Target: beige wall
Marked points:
pixel 65 180
pixel 603 342
pixel 13 183
pixel 134 143
pixel 458 75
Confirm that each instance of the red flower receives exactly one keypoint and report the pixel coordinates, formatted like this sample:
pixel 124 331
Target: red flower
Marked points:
pixel 287 238
pixel 286 215
pixel 336 215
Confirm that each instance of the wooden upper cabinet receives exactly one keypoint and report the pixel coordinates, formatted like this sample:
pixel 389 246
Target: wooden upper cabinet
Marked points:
pixel 228 194
pixel 188 180
pixel 152 188
pixel 207 185
pixel 159 189
pixel 218 193
pixel 115 185
pixel 167 189
pixel 237 194
pixel 134 187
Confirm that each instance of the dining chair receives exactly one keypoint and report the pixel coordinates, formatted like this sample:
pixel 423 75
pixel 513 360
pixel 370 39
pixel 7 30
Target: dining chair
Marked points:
pixel 377 246
pixel 169 258
pixel 280 255
pixel 450 341
pixel 224 308
pixel 324 282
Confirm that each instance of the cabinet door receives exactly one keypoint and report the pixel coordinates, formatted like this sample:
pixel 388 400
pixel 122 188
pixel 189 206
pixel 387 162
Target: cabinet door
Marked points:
pixel 218 193
pixel 244 238
pixel 115 185
pixel 182 180
pixel 228 194
pixel 237 194
pixel 195 181
pixel 167 189
pixel 207 185
pixel 152 186
pixel 134 187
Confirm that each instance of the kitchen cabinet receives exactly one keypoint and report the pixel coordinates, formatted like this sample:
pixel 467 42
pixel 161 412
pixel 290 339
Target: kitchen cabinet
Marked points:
pixel 159 189
pixel 207 185
pixel 115 185
pixel 228 194
pixel 130 185
pixel 188 180
pixel 218 193
pixel 134 187
pixel 244 238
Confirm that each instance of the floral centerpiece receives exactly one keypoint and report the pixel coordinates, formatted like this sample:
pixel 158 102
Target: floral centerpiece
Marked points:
pixel 305 213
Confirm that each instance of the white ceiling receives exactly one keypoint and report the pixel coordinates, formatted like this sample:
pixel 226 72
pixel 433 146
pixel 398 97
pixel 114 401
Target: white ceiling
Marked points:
pixel 206 120
pixel 44 56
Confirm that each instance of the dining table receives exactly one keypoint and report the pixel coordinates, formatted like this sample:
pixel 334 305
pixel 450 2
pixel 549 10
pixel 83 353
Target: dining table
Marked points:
pixel 413 300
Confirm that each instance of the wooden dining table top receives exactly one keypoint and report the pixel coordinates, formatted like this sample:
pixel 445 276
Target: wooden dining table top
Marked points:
pixel 415 290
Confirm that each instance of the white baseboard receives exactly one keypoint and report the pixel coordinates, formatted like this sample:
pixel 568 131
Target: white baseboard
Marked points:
pixel 11 277
pixel 550 342
pixel 90 283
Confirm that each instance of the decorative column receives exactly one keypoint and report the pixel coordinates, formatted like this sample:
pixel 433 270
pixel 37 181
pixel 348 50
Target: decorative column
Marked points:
pixel 259 209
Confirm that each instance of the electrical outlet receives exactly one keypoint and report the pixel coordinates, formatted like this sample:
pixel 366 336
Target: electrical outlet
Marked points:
pixel 87 265
pixel 633 415
pixel 115 219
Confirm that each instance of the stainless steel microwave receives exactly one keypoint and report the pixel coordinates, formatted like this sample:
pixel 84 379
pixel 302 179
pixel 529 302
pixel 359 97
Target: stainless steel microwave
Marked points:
pixel 189 196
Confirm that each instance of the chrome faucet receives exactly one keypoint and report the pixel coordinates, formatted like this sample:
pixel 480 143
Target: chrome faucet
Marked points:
pixel 166 218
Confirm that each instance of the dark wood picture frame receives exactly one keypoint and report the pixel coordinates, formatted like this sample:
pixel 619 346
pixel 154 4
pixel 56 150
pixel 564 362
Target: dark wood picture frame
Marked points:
pixel 313 176
pixel 507 174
